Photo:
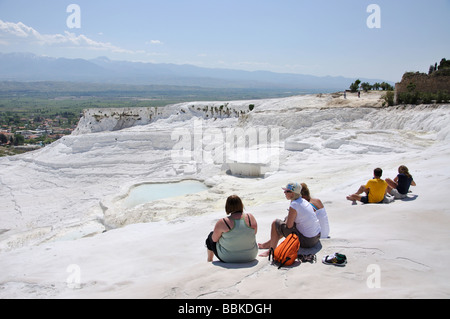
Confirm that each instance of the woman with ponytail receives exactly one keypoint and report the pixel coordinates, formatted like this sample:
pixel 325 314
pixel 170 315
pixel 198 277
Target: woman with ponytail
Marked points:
pixel 399 187
pixel 319 209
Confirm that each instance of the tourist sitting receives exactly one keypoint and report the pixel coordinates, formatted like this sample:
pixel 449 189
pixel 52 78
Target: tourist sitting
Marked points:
pixel 399 187
pixel 375 189
pixel 301 220
pixel 319 209
pixel 234 237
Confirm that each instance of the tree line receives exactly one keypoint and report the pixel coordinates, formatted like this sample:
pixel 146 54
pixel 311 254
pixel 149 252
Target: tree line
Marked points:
pixel 365 86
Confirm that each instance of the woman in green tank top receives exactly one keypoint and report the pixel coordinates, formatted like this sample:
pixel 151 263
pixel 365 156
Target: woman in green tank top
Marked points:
pixel 234 237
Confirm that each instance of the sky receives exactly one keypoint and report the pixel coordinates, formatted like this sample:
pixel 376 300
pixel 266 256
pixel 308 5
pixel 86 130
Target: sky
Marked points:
pixel 378 39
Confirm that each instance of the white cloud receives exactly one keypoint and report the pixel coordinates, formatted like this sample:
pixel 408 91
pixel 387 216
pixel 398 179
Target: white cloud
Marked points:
pixel 19 33
pixel 9 31
pixel 154 42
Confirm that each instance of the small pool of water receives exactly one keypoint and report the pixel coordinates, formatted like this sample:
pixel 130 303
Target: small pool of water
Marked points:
pixel 149 192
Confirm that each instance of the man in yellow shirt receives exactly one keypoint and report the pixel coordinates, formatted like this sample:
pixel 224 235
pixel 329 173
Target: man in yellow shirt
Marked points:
pixel 375 189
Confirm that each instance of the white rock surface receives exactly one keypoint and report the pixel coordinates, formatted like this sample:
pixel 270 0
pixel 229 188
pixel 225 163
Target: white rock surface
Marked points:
pixel 71 189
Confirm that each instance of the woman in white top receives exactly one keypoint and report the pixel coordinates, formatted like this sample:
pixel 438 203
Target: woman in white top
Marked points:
pixel 301 220
pixel 320 211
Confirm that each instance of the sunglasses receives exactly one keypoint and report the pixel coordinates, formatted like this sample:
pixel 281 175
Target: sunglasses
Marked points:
pixel 287 192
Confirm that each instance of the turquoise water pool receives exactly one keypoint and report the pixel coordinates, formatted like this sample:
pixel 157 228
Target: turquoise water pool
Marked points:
pixel 145 193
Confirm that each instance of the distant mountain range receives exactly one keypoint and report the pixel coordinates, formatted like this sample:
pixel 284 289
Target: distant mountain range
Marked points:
pixel 30 67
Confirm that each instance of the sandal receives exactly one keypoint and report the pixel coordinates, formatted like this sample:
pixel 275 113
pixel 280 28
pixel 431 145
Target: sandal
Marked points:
pixel 308 258
pixel 336 259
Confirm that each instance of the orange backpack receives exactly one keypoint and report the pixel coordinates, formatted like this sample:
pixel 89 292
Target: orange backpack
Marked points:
pixel 286 252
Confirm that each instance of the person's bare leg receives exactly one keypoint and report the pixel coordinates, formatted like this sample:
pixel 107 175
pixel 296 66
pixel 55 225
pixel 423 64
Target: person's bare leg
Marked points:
pixel 357 195
pixel 391 185
pixel 265 245
pixel 362 189
pixel 210 255
pixel 273 242
pixel 354 197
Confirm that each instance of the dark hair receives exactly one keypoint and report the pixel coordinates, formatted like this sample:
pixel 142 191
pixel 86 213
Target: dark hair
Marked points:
pixel 234 205
pixel 377 172
pixel 404 170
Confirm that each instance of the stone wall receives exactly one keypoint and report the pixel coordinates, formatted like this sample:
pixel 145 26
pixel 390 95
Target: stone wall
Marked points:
pixel 436 82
